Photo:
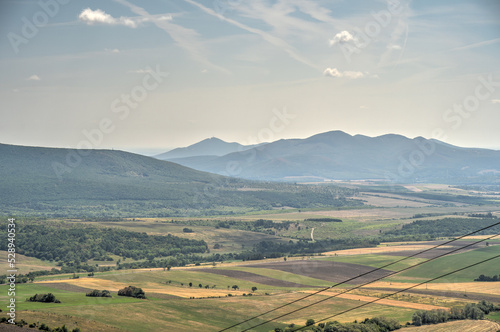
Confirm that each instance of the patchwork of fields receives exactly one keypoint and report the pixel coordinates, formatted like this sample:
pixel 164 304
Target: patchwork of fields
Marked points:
pixel 173 303
pixel 348 285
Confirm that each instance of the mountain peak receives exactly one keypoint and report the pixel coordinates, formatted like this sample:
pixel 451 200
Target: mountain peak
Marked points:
pixel 212 146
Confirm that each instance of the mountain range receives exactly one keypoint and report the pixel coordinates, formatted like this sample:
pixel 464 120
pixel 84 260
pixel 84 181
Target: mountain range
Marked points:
pixel 336 155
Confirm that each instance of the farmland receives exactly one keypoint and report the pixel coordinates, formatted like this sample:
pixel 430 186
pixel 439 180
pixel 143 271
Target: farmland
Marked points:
pixel 202 288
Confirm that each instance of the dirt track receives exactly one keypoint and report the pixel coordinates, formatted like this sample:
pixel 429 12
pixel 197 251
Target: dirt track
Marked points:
pixel 330 271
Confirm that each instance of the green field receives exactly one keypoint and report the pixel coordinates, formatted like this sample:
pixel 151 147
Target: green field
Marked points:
pixel 453 262
pixel 207 314
pixel 67 298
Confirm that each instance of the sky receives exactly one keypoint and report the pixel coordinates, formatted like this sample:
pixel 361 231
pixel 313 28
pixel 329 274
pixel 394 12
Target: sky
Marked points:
pixel 150 75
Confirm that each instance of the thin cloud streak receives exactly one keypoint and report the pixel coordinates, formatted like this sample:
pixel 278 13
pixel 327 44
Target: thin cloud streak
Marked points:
pixel 290 50
pixel 186 38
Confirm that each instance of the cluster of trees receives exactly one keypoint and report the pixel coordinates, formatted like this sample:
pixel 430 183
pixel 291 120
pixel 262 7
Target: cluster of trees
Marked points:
pixel 324 219
pixel 132 291
pixel 46 298
pixel 483 215
pixel 99 293
pixel 470 311
pixel 72 245
pixel 447 227
pixel 482 277
pixel 376 324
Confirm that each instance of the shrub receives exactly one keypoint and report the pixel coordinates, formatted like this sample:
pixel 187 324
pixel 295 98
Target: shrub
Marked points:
pixel 98 293
pixel 46 298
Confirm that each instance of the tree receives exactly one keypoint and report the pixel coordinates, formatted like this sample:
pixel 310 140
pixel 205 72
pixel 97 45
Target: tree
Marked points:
pixel 310 322
pixel 254 289
pixel 235 287
pixel 190 284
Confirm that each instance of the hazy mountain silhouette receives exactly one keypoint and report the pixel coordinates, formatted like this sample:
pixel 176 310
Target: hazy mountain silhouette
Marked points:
pixel 337 155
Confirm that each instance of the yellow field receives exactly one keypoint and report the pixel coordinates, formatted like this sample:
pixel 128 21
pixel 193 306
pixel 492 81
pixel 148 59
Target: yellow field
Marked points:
pixel 472 287
pixel 113 286
pixel 393 303
pixel 378 250
pixel 461 325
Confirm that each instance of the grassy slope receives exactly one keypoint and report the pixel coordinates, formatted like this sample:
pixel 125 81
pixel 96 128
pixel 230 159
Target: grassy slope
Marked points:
pixel 25 264
pixel 186 315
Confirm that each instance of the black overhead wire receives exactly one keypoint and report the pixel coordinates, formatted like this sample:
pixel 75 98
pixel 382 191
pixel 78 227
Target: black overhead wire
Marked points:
pixel 404 290
pixel 367 283
pixel 358 276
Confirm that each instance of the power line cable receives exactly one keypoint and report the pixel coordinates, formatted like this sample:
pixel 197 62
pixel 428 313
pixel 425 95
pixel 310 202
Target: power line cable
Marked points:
pixel 404 290
pixel 367 283
pixel 353 278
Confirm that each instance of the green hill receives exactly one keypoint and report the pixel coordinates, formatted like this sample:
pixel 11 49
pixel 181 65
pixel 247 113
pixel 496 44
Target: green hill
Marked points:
pixel 66 182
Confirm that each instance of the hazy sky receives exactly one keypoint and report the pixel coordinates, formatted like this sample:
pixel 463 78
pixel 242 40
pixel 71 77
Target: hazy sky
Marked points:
pixel 153 74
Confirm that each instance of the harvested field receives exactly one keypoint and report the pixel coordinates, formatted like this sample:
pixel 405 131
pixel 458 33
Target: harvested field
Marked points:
pixel 449 294
pixel 460 325
pixel 113 286
pixel 393 303
pixel 329 271
pixel 87 283
pixel 381 250
pixel 488 288
pixel 257 278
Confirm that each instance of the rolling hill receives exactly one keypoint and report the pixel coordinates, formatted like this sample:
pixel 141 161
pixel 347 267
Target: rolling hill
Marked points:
pixel 66 182
pixel 337 155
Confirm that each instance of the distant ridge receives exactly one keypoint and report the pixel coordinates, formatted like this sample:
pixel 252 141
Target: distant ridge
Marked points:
pixel 336 155
pixel 208 147
pixel 57 182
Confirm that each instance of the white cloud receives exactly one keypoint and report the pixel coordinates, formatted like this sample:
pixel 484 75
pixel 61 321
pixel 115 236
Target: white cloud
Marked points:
pixel 204 71
pixel 342 37
pixel 90 17
pixel 334 72
pixel 114 50
pixel 34 78
pixel 495 101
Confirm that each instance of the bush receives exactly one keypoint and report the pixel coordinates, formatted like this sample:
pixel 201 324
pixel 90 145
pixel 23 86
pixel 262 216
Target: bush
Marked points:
pixel 46 298
pixel 310 322
pixel 98 293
